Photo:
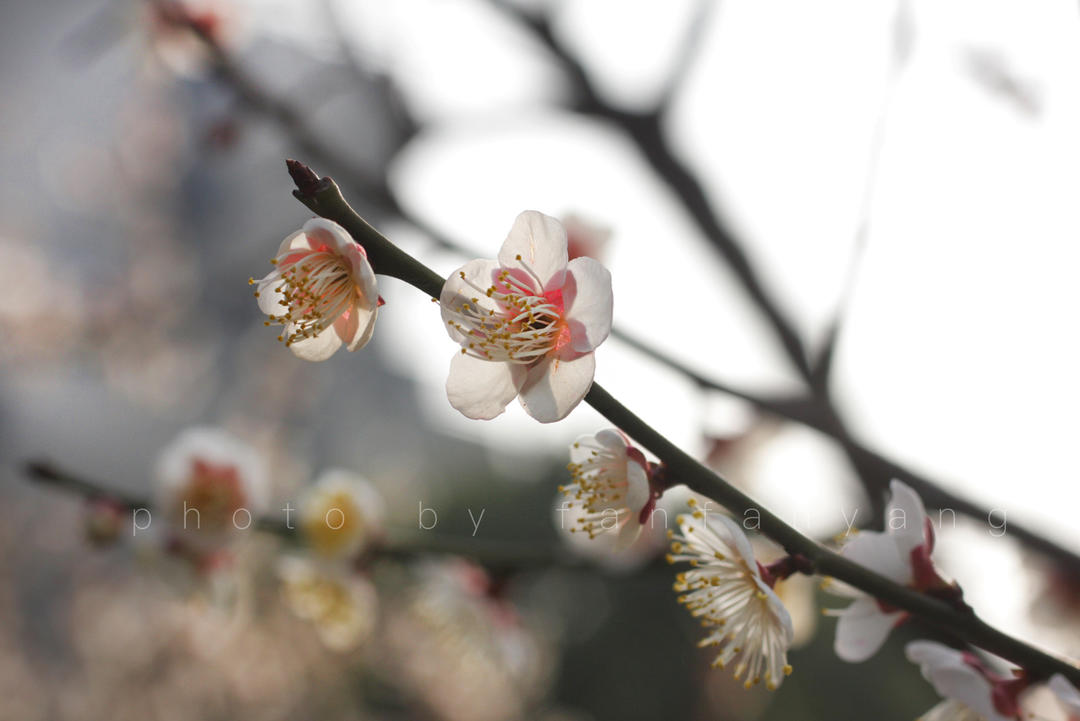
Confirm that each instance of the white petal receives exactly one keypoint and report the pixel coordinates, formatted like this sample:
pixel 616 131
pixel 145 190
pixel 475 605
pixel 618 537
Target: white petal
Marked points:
pixel 780 611
pixel 269 296
pixel 953 678
pixel 588 298
pixel 612 440
pixel 609 439
pixel 905 511
pixel 317 348
pixel 362 275
pixel 968 687
pixel 932 655
pixel 637 492
pixel 878 551
pixel 555 386
pixel 861 629
pixel 950 710
pixel 1066 693
pixel 457 291
pixel 628 534
pixel 729 529
pixel 540 240
pixel 294 240
pixel 480 389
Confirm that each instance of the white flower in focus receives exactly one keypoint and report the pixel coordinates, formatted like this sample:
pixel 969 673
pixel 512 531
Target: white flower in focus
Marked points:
pixel 971 692
pixel 610 486
pixel 528 324
pixel 323 291
pixel 209 487
pixel 902 554
pixel 726 590
pixel 1067 694
pixel 340 514
pixel 342 606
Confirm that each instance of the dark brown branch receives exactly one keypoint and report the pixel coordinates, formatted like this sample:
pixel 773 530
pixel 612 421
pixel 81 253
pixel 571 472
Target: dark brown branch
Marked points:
pixel 963 624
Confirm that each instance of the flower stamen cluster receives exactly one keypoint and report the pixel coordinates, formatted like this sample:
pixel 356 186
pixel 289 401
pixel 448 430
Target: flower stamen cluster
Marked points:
pixel 726 591
pixel 610 483
pixel 527 324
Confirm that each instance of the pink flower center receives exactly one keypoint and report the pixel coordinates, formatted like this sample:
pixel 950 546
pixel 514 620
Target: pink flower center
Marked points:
pixel 512 320
pixel 317 288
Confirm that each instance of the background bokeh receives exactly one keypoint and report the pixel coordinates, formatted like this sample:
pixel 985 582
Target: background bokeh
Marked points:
pixel 902 176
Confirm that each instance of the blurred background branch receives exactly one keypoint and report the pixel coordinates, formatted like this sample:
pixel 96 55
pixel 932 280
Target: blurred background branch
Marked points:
pixel 815 408
pixel 498 556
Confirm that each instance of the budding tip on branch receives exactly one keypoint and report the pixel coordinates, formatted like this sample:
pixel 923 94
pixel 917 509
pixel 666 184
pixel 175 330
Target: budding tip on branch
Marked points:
pixel 307 182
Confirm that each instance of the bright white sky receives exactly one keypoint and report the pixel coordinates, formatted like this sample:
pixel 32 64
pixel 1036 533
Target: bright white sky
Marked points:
pixel 960 347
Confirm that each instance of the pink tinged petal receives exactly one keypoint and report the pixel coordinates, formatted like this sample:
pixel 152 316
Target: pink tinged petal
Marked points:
pixel 318 347
pixel 1066 693
pixel 321 231
pixel 588 298
pixel 540 240
pixel 862 628
pixel 480 389
pixel 637 491
pixel 879 552
pixel 347 326
pixel 907 514
pixel 555 386
pixel 355 326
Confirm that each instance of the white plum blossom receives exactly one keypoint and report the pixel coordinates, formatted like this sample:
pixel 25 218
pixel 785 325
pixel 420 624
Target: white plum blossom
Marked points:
pixel 971 692
pixel 528 324
pixel 1067 694
pixel 210 486
pixel 610 486
pixel 728 591
pixel 902 554
pixel 340 514
pixel 342 605
pixel 323 291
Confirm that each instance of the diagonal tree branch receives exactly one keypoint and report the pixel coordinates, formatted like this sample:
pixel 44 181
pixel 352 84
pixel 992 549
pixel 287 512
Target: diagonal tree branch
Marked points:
pixel 326 200
pixel 813 410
